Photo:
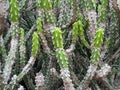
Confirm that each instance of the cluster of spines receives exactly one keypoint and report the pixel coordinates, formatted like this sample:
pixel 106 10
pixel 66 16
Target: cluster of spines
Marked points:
pixel 35 44
pixel 14 10
pixel 97 44
pixel 58 44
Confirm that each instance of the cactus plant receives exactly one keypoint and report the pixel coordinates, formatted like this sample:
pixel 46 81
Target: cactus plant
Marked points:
pixel 35 45
pixel 45 4
pixel 39 25
pixel 14 10
pixel 57 38
pixel 78 30
pixel 62 58
pixel 22 48
pixel 97 44
pixel 98 38
pixel 59 25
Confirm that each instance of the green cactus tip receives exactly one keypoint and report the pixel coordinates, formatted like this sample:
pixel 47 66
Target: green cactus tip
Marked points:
pixel 57 38
pixel 99 38
pixel 45 4
pixel 35 44
pixel 39 25
pixel 14 10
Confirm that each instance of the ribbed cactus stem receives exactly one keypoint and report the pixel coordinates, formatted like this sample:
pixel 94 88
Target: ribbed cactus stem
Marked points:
pixel 97 44
pixel 21 30
pixel 39 25
pixel 57 38
pixel 35 44
pixel 45 10
pixel 14 10
pixel 10 59
pixel 91 4
pixel 58 44
pixel 75 32
pixel 22 48
pixel 45 4
pixel 102 11
pixel 78 30
pixel 50 17
pixel 62 58
pixel 98 38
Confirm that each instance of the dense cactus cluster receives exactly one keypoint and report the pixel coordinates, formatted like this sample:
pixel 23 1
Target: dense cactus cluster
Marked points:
pixel 59 44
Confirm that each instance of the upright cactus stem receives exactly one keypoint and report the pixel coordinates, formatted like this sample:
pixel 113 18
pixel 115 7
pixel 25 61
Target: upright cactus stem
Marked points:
pixel 78 30
pixel 22 48
pixel 102 11
pixel 57 38
pixel 39 25
pixel 45 10
pixel 62 59
pixel 14 10
pixel 35 45
pixel 21 36
pixel 98 38
pixel 97 44
pixel 75 32
pixel 58 44
pixel 45 4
